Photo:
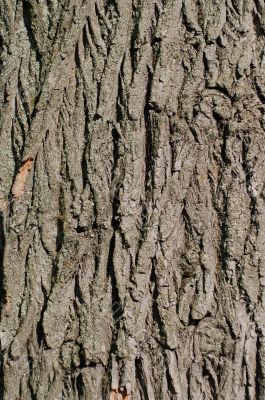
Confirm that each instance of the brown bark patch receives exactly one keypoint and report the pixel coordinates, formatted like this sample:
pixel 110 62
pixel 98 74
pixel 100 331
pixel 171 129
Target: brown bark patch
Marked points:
pixel 119 394
pixel 19 184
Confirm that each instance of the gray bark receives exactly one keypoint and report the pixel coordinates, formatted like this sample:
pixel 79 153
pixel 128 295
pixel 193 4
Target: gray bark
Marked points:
pixel 132 234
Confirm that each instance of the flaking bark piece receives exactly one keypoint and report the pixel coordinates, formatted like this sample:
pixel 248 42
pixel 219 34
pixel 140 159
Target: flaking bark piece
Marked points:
pixel 19 184
pixel 119 394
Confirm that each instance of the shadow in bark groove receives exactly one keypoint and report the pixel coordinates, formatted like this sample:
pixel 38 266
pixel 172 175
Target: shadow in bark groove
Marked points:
pixel 1 377
pixel 213 389
pixel 139 377
pixel 2 299
pixel 170 384
pixel 2 246
pixel 27 17
pixel 155 310
pixel 60 222
pixel 116 303
pixel 39 327
pixel 80 385
pixel 84 164
pixel 121 106
pixel 259 372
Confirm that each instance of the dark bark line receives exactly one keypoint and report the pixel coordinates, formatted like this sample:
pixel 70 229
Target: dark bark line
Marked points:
pixel 132 252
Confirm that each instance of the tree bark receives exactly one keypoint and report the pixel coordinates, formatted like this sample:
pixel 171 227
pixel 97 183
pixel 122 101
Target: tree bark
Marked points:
pixel 132 228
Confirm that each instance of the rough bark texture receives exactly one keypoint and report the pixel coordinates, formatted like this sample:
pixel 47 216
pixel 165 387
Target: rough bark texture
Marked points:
pixel 132 199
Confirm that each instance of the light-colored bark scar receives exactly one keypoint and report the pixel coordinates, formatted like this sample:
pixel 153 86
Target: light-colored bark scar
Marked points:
pixel 19 184
pixel 119 394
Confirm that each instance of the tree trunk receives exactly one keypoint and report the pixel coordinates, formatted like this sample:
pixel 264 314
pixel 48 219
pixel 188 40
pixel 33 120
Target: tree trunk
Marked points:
pixel 132 199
